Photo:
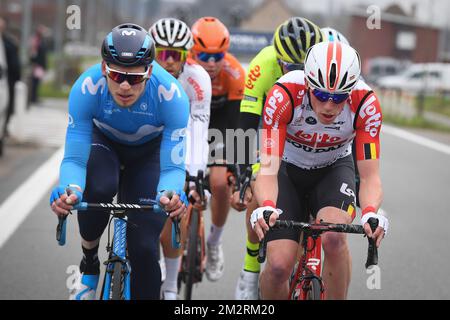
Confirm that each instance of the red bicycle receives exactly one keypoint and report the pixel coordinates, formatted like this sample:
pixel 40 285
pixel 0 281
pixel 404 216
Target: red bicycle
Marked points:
pixel 306 282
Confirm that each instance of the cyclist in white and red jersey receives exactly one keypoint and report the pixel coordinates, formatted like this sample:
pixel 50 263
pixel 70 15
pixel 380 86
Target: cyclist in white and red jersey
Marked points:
pixel 310 120
pixel 173 39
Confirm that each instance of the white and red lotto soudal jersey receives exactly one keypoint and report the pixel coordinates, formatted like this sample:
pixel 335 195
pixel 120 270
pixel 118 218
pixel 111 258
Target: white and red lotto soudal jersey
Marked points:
pixel 197 84
pixel 294 132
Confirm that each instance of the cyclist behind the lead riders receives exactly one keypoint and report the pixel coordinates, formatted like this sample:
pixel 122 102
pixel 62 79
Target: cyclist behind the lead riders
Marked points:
pixel 127 118
pixel 310 120
pixel 211 43
pixel 173 39
pixel 292 39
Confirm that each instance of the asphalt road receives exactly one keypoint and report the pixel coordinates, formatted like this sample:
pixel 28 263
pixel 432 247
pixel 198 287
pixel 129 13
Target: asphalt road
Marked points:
pixel 412 259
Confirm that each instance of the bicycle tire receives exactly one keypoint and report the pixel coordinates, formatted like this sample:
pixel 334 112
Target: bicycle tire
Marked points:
pixel 191 256
pixel 315 290
pixel 117 282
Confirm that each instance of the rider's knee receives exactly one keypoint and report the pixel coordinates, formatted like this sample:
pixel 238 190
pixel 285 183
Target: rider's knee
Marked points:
pixel 333 243
pixel 278 269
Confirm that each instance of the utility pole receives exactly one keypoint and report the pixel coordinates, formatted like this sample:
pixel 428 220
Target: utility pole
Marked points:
pixel 26 29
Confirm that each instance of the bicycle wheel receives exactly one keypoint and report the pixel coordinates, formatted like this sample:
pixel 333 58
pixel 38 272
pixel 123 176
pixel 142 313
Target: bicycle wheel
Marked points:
pixel 117 282
pixel 315 290
pixel 191 256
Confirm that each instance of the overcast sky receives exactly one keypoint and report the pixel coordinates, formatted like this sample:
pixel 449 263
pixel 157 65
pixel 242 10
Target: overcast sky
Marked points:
pixel 430 11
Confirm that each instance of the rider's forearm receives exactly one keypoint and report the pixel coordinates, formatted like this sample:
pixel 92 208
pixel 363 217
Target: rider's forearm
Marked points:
pixel 266 188
pixel 370 192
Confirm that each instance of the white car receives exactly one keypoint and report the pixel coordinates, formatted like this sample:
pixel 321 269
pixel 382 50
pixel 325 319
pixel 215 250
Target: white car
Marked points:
pixel 4 94
pixel 420 77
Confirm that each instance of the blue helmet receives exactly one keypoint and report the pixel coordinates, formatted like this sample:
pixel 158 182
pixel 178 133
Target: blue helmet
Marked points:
pixel 128 45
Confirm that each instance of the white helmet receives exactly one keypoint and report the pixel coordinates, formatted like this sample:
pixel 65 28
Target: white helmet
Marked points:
pixel 332 67
pixel 334 35
pixel 171 32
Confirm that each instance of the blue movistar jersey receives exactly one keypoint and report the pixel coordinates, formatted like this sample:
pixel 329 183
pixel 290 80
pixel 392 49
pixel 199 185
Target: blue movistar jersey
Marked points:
pixel 163 109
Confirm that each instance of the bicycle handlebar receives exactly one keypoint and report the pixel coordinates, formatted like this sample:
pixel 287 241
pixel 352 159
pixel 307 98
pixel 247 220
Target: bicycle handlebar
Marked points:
pixel 83 206
pixel 317 229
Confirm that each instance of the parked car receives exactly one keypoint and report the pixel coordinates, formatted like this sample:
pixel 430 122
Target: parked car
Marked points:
pixel 384 66
pixel 428 78
pixel 4 95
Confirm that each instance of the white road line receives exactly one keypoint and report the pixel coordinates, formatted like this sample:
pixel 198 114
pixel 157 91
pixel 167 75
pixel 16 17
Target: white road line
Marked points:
pixel 437 146
pixel 20 203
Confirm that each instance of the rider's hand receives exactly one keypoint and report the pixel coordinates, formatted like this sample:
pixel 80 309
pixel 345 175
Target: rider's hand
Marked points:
pixel 258 223
pixel 236 201
pixel 198 204
pixel 61 202
pixel 173 204
pixel 380 232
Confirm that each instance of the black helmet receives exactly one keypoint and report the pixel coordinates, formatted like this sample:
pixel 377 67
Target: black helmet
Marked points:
pixel 294 37
pixel 128 45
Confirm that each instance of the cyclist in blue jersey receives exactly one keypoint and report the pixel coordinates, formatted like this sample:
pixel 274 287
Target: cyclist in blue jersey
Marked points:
pixel 127 122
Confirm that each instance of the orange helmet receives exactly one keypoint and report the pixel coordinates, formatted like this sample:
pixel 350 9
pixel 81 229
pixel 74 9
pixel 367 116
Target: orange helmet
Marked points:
pixel 210 35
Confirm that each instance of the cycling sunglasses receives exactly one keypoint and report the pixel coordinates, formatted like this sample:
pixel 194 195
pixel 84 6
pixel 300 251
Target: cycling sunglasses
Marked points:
pixel 291 66
pixel 207 57
pixel 323 96
pixel 163 54
pixel 130 77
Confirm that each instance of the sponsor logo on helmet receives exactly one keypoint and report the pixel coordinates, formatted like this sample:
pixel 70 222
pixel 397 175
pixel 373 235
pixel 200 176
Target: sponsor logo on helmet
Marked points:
pixel 253 76
pixel 271 107
pixel 128 33
pixel 311 121
pixel 91 87
pixel 371 116
pixel 126 54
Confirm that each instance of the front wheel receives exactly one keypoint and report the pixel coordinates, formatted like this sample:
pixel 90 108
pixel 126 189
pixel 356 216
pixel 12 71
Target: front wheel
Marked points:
pixel 117 282
pixel 191 256
pixel 314 290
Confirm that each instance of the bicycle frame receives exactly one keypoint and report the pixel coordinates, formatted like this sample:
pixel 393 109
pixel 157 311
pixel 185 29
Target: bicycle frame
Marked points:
pixel 309 267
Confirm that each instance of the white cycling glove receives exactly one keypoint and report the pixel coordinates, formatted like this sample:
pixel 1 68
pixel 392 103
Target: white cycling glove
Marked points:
pixel 259 213
pixel 382 220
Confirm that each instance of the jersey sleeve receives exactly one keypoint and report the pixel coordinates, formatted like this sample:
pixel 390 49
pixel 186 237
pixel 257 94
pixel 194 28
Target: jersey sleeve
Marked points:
pixel 260 78
pixel 174 114
pixel 277 113
pixel 83 100
pixel 200 111
pixel 368 119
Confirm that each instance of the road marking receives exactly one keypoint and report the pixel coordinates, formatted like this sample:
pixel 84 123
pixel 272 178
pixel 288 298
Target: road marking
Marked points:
pixel 20 203
pixel 437 146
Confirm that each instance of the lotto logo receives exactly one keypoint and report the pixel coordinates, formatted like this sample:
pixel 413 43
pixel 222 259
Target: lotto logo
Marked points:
pixel 253 76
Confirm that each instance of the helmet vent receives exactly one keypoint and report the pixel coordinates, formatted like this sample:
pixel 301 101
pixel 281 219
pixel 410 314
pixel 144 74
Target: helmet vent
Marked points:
pixel 333 75
pixel 313 82
pixel 350 86
pixel 201 42
pixel 322 84
pixel 223 42
pixel 344 80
